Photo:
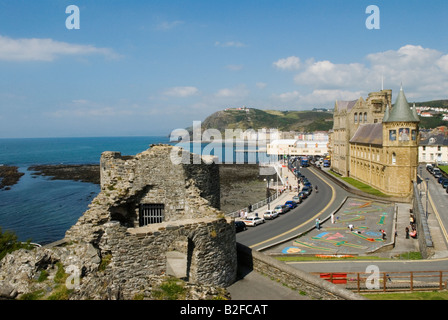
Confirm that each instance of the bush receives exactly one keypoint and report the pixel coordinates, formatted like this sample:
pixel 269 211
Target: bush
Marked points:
pixel 9 243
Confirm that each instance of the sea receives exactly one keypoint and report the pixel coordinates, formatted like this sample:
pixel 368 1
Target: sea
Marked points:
pixel 40 209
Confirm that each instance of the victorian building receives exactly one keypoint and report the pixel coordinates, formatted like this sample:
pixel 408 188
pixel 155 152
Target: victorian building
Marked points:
pixel 375 143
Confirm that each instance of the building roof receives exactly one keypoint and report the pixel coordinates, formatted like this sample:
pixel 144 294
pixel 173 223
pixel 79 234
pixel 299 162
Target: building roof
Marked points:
pixel 347 105
pixel 435 140
pixel 401 112
pixel 369 133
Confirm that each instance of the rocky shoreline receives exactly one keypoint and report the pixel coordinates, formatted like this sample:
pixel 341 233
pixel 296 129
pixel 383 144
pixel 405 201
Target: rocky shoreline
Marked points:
pixel 9 176
pixel 241 184
pixel 83 172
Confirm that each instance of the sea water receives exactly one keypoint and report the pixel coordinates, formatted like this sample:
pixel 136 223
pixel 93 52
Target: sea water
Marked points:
pixel 40 209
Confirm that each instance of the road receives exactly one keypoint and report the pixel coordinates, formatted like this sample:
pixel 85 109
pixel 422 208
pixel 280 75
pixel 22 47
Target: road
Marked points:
pixel 320 205
pixel 298 220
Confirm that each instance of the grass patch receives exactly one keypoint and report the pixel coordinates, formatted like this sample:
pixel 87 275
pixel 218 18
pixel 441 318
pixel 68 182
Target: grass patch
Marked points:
pixel 433 295
pixel 413 255
pixel 364 187
pixel 359 185
pixel 171 289
pixel 443 168
pixel 313 258
pixel 105 261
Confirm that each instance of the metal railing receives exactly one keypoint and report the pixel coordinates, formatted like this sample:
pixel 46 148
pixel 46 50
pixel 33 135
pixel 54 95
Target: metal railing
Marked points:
pixel 236 214
pixel 389 281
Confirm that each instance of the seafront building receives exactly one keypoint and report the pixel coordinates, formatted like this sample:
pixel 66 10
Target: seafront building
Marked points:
pixel 377 143
pixel 303 144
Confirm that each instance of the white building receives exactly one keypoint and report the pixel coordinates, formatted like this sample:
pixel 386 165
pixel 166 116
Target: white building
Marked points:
pixel 434 149
pixel 293 147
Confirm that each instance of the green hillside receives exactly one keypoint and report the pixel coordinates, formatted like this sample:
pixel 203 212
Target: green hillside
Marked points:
pixel 282 120
pixel 305 121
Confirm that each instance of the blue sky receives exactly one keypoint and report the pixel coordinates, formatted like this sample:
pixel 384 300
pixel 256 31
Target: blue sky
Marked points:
pixel 148 67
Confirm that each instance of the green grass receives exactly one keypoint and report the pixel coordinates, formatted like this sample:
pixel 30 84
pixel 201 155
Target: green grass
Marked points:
pixel 443 168
pixel 364 187
pixel 313 258
pixel 359 185
pixel 433 295
pixel 171 289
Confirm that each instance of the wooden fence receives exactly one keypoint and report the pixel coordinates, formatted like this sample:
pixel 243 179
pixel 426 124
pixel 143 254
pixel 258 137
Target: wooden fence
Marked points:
pixel 389 281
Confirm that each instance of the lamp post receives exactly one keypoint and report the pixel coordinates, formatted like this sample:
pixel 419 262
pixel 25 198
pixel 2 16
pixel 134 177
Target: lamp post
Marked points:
pixel 427 192
pixel 420 177
pixel 268 193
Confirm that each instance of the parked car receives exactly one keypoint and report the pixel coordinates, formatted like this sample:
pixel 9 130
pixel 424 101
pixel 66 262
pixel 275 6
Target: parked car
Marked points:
pixel 303 195
pixel 308 184
pixel 307 190
pixel 281 208
pixel 253 221
pixel 430 168
pixel 445 183
pixel 297 199
pixel 270 214
pixel 440 179
pixel 240 226
pixel 291 204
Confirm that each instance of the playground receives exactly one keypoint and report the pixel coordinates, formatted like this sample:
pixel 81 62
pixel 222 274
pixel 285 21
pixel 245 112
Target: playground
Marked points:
pixel 359 227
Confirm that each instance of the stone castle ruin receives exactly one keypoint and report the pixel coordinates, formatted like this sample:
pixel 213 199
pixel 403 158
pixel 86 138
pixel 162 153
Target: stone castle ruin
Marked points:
pixel 152 218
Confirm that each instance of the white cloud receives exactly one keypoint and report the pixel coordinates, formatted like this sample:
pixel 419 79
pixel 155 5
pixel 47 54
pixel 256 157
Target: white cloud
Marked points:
pixel 234 67
pixel 168 25
pixel 35 49
pixel 181 92
pixel 290 63
pixel 235 44
pixel 422 71
pixel 261 85
pixel 288 96
pixel 238 92
pixel 329 75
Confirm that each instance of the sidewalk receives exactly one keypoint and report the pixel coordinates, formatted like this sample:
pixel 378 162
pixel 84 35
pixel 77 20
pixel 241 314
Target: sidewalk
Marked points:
pixel 282 198
pixel 437 208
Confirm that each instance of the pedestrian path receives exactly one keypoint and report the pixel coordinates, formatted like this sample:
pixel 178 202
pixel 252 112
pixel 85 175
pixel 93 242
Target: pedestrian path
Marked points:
pixel 289 191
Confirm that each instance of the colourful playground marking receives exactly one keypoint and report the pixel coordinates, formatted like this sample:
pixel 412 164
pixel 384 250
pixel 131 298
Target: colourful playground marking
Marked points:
pixel 365 205
pixel 311 246
pixel 354 218
pixel 381 221
pixel 290 250
pixel 367 238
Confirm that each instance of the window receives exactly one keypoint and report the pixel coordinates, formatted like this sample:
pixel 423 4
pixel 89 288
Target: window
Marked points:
pixel 394 158
pixel 365 116
pixel 151 213
pixel 356 117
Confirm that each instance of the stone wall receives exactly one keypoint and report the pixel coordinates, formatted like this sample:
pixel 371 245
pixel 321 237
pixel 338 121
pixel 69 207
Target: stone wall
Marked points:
pixel 118 258
pixel 423 232
pixel 295 279
pixel 206 245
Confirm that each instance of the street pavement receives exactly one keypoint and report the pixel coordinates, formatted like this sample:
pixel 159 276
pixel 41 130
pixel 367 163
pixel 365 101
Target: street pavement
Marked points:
pixel 254 286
